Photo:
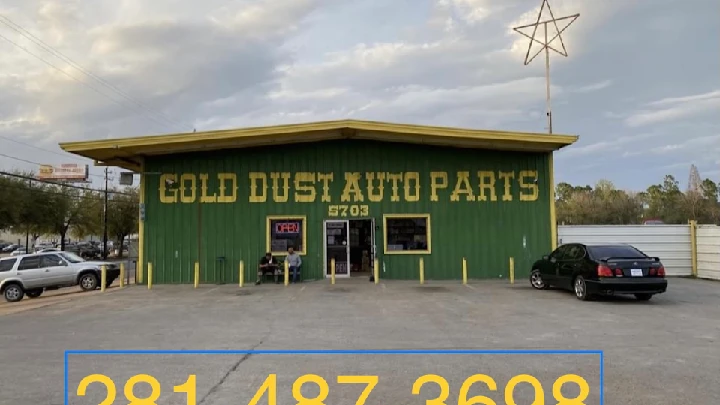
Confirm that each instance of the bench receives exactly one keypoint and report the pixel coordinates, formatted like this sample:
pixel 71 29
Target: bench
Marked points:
pixel 278 274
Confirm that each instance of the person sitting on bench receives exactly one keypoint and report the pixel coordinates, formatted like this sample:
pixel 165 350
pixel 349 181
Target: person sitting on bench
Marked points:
pixel 294 263
pixel 268 265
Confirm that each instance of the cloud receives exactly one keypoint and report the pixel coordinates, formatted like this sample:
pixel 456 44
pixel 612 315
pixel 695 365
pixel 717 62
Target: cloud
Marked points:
pixel 676 108
pixel 218 64
pixel 593 87
pixel 593 14
pixel 616 144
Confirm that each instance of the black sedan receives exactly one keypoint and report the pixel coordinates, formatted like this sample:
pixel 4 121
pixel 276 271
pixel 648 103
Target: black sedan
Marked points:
pixel 591 270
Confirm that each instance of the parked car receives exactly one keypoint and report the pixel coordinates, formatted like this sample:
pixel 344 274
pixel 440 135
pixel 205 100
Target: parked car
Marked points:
pixel 32 274
pixel 19 251
pixel 11 247
pixel 592 270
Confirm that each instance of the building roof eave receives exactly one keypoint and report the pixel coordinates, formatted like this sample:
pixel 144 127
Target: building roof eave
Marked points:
pixel 127 152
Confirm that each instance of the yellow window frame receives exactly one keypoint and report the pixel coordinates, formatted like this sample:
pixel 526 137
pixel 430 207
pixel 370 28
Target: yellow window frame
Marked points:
pixel 268 234
pixel 407 252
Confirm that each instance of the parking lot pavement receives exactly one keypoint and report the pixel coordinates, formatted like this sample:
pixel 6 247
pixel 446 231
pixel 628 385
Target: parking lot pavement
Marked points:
pixel 53 297
pixel 665 351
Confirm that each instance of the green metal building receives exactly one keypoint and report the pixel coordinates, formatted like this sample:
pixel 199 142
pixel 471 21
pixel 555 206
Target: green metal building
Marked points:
pixel 349 190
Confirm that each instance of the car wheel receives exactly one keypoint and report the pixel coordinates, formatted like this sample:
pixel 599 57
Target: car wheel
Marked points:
pixel 643 297
pixel 580 288
pixel 537 281
pixel 88 282
pixel 13 293
pixel 34 293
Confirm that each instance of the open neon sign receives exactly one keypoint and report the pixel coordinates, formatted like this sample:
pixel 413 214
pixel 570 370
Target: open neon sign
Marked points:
pixel 287 227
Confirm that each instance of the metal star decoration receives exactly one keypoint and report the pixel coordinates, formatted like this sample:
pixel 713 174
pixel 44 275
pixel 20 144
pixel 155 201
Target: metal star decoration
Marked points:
pixel 546 44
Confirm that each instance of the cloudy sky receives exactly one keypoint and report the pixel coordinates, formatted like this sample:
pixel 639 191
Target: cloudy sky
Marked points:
pixel 641 85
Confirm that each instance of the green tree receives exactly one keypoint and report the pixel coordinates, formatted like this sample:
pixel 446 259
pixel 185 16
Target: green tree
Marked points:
pixel 123 215
pixel 67 207
pixel 10 197
pixel 89 221
pixel 35 209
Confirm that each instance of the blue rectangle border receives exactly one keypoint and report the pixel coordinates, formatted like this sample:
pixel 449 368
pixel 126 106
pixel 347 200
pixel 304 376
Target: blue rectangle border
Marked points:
pixel 390 352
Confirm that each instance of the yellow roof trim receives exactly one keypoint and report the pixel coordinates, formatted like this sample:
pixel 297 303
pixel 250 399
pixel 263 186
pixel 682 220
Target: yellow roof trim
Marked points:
pixel 127 152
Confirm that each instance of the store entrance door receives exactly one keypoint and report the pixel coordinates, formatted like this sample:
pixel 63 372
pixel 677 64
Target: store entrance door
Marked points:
pixel 337 247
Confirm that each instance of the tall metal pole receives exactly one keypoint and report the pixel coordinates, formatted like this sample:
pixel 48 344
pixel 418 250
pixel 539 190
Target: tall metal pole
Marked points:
pixel 27 226
pixel 547 80
pixel 105 218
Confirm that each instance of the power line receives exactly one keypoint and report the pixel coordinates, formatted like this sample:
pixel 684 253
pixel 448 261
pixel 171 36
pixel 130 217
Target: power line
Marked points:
pixel 19 176
pixel 65 155
pixel 78 80
pixel 22 31
pixel 45 191
pixel 36 163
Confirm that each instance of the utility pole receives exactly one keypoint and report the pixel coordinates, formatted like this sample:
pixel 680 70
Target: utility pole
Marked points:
pixel 27 226
pixel 105 218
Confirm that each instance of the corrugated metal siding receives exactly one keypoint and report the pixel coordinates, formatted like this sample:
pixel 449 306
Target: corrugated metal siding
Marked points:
pixel 708 251
pixel 487 233
pixel 671 243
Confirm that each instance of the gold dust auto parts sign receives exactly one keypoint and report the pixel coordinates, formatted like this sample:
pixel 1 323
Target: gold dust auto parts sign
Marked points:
pixel 355 191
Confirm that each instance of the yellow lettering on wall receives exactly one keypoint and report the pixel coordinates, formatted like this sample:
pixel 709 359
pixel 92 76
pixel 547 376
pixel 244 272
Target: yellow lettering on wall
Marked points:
pixel 275 176
pixel 507 176
pixel 352 187
pixel 370 176
pixel 166 198
pixel 204 197
pixel 304 192
pixel 395 179
pixel 184 179
pixel 437 180
pixel 487 183
pixel 528 183
pixel 326 178
pixel 254 196
pixel 412 177
pixel 222 179
pixel 462 186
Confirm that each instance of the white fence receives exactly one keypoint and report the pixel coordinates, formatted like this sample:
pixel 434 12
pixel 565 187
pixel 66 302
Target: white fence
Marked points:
pixel 708 251
pixel 671 243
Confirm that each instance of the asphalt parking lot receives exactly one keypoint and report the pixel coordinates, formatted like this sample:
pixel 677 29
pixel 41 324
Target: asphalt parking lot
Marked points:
pixel 666 351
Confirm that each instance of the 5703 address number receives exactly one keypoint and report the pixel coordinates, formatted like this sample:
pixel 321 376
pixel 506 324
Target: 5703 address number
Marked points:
pixel 348 211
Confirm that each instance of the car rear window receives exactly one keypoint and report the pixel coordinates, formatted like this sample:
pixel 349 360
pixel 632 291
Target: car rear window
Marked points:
pixel 7 264
pixel 615 251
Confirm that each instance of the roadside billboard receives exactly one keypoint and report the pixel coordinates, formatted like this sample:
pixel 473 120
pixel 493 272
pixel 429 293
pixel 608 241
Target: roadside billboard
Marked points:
pixel 64 172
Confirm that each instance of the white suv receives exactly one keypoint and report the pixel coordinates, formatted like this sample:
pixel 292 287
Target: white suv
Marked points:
pixel 34 273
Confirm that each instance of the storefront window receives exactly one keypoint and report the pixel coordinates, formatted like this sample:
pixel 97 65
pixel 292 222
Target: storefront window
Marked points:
pixel 285 232
pixel 407 234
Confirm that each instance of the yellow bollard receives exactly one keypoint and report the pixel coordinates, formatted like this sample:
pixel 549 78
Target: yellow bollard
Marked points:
pixel 512 270
pixel 241 273
pixel 122 274
pixel 422 271
pixel 139 273
pixel 287 273
pixel 103 277
pixel 376 270
pixel 464 270
pixel 332 271
pixel 150 276
pixel 197 274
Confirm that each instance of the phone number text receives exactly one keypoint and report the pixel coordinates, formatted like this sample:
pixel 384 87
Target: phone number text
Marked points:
pixel 269 389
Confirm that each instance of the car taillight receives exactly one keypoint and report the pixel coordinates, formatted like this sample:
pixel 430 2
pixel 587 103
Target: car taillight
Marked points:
pixel 661 271
pixel 618 272
pixel 604 271
pixel 652 271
